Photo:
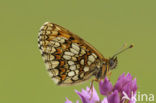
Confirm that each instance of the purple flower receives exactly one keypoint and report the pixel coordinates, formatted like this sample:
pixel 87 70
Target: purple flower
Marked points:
pixel 104 100
pixel 105 87
pixel 126 84
pixel 114 97
pixel 68 101
pixel 125 87
pixel 88 96
pixel 124 91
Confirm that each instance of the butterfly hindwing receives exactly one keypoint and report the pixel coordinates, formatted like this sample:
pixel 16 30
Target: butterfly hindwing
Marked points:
pixel 68 58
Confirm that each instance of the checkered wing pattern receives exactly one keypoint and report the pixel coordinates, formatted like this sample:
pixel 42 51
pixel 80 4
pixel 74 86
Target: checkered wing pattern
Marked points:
pixel 68 58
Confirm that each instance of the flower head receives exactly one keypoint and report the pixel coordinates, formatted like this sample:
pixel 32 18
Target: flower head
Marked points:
pixel 105 87
pixel 123 91
pixel 125 88
pixel 114 97
pixel 88 96
pixel 126 84
pixel 68 101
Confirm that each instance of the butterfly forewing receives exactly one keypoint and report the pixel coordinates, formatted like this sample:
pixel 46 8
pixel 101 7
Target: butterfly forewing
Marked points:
pixel 68 58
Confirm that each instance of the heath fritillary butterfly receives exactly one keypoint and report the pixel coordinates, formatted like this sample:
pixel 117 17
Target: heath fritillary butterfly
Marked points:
pixel 69 59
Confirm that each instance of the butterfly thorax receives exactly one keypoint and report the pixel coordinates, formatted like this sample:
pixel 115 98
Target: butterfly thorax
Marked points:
pixel 106 66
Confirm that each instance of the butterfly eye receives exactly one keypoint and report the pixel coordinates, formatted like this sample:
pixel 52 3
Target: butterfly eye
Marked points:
pixel 113 63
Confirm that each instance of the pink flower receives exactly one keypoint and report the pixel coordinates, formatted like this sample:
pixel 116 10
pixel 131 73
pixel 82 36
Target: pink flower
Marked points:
pixel 126 84
pixel 88 96
pixel 114 97
pixel 68 101
pixel 105 87
pixel 121 92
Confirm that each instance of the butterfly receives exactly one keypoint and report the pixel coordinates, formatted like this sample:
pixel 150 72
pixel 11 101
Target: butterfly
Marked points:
pixel 69 59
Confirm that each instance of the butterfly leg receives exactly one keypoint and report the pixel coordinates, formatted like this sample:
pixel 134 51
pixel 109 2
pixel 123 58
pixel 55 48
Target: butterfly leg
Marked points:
pixel 91 87
pixel 109 75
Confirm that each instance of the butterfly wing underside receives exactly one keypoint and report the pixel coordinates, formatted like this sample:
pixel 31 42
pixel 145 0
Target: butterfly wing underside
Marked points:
pixel 68 58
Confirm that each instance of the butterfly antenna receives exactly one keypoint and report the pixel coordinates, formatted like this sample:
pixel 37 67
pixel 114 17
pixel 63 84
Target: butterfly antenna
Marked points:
pixel 122 49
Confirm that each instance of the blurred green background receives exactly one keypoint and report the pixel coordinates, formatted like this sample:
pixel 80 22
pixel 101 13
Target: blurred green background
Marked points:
pixel 106 24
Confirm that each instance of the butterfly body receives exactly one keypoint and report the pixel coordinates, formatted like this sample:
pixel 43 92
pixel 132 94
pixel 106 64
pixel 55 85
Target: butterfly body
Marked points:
pixel 69 59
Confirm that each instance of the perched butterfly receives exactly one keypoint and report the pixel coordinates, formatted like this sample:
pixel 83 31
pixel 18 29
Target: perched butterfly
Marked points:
pixel 70 59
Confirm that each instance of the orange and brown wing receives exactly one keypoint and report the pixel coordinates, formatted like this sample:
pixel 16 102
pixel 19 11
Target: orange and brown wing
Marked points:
pixel 69 59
